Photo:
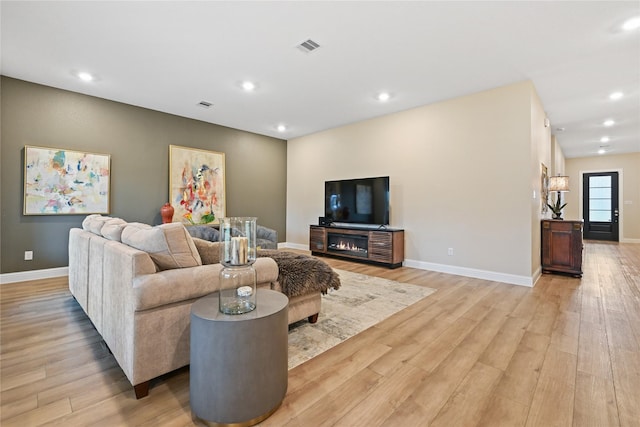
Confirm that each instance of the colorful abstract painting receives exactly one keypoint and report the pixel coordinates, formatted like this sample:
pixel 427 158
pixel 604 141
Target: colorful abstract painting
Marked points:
pixel 196 185
pixel 59 181
pixel 544 188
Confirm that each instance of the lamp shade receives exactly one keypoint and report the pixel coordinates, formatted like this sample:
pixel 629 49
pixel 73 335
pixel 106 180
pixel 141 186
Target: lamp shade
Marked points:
pixel 559 183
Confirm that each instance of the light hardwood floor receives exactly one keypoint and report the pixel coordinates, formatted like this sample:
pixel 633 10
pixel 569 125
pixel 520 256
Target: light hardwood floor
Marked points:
pixel 475 353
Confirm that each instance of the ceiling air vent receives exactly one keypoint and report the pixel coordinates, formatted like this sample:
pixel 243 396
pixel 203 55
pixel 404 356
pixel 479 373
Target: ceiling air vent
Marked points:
pixel 308 46
pixel 204 104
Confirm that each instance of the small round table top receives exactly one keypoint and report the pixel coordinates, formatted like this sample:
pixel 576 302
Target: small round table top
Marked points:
pixel 268 302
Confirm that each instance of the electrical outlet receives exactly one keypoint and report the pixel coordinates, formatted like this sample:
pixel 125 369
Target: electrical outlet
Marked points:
pixel 450 251
pixel 28 255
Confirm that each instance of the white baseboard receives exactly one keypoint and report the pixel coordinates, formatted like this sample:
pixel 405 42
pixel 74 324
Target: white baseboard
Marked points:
pixel 23 276
pixel 537 275
pixel 450 269
pixel 630 241
pixel 442 268
pixel 472 272
pixel 288 245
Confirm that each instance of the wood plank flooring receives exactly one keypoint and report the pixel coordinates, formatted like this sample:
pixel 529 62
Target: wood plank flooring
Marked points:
pixel 475 353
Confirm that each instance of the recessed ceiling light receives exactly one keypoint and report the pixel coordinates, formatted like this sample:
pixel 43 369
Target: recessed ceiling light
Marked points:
pixel 248 86
pixel 616 95
pixel 609 123
pixel 631 24
pixel 281 128
pixel 604 139
pixel 602 151
pixel 85 77
pixel 560 129
pixel 383 96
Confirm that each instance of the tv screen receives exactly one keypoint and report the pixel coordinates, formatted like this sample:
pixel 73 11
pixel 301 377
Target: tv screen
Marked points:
pixel 358 201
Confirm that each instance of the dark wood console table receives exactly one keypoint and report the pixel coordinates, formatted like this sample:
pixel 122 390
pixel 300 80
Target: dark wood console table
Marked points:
pixel 380 246
pixel 562 246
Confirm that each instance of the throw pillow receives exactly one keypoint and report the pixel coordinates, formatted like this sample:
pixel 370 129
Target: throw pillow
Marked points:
pixel 168 245
pixel 87 220
pixel 94 223
pixel 112 229
pixel 209 251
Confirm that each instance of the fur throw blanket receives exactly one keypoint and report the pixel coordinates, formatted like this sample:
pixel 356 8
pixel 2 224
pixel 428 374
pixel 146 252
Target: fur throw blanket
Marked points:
pixel 301 274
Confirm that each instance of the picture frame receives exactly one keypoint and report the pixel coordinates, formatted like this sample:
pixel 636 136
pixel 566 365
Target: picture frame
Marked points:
pixel 197 185
pixel 544 188
pixel 58 181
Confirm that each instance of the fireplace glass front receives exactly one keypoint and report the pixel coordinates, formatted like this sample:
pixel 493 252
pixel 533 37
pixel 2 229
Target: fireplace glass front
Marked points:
pixel 347 244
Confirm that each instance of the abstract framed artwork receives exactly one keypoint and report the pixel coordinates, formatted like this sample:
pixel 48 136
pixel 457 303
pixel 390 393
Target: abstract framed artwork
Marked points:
pixel 544 188
pixel 196 185
pixel 64 182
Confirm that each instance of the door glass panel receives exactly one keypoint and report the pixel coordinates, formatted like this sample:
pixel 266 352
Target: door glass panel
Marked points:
pixel 600 198
pixel 600 216
pixel 599 193
pixel 600 204
pixel 600 181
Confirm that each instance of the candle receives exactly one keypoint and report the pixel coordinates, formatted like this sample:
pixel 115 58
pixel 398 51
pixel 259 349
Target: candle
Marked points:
pixel 239 250
pixel 243 248
pixel 234 251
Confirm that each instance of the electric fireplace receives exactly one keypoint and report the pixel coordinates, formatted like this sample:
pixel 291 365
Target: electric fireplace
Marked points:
pixel 355 245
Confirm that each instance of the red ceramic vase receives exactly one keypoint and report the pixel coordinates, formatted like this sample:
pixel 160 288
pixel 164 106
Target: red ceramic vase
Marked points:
pixel 166 212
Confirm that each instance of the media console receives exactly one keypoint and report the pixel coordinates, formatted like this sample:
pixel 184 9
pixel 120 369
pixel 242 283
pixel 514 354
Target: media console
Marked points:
pixel 381 246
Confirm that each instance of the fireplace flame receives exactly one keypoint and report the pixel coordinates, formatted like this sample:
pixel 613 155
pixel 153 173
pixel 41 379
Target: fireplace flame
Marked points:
pixel 347 246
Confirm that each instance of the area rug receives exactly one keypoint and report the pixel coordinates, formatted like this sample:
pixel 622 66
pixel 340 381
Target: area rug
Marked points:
pixel 361 302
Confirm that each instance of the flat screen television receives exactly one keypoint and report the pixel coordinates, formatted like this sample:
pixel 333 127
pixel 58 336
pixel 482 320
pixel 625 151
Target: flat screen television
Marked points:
pixel 357 201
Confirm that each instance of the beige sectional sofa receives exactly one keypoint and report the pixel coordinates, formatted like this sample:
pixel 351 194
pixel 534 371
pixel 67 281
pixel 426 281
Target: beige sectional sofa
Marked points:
pixel 137 284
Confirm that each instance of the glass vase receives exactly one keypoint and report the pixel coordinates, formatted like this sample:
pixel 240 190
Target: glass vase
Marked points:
pixel 237 255
pixel 237 289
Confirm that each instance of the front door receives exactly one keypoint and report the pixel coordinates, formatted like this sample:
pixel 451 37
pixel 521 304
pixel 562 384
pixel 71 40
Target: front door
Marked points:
pixel 600 205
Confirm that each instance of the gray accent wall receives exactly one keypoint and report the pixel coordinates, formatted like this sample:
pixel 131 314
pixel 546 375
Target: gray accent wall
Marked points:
pixel 138 141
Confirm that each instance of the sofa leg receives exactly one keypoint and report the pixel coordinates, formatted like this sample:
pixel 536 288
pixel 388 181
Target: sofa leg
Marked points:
pixel 142 389
pixel 313 318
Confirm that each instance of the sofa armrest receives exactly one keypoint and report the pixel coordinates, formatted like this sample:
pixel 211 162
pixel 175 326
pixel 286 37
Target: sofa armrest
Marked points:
pixel 172 286
pixel 266 270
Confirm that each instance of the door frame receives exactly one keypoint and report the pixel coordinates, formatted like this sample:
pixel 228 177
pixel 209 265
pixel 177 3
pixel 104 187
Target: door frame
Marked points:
pixel 620 197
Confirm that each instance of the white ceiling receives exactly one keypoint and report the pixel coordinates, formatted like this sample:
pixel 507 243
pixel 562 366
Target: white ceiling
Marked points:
pixel 170 55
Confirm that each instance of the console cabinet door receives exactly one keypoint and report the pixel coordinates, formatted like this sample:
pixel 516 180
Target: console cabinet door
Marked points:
pixel 317 239
pixel 562 246
pixel 380 246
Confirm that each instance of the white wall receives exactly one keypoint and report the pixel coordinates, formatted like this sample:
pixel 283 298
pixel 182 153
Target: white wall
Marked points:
pixel 542 152
pixel 461 177
pixel 557 158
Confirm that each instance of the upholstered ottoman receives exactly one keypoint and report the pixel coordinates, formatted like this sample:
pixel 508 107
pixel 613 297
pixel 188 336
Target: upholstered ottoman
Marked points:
pixel 302 278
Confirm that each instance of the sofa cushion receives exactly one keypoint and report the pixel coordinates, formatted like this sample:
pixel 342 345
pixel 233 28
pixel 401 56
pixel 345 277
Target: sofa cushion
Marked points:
pixel 164 288
pixel 209 251
pixel 112 229
pixel 94 223
pixel 168 245
pixel 88 219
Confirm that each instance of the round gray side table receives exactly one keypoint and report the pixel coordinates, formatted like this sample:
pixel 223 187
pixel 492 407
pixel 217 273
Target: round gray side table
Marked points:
pixel 238 374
